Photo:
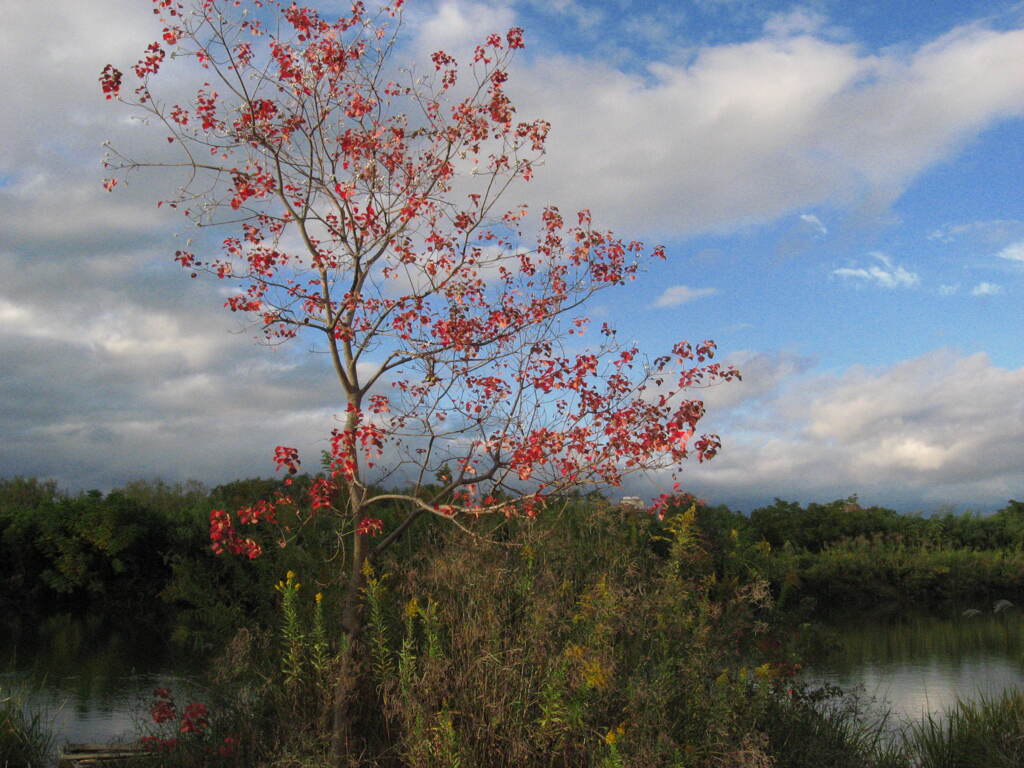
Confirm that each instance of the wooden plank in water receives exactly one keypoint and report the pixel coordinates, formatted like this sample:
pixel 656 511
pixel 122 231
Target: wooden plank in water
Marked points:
pixel 88 755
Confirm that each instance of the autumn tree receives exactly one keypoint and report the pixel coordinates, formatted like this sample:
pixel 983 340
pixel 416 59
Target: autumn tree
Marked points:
pixel 367 211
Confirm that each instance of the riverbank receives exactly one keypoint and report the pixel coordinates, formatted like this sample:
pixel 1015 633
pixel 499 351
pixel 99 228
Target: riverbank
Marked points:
pixel 802 727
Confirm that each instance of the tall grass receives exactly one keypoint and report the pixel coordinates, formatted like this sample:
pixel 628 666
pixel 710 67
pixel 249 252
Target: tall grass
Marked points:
pixel 828 728
pixel 984 733
pixel 26 740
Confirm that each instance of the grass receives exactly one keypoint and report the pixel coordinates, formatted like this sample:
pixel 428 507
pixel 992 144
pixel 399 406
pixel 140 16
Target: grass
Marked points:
pixel 827 728
pixel 25 738
pixel 987 732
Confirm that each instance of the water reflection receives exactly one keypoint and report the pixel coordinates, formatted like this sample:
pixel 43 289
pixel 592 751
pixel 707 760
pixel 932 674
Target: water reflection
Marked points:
pixel 90 675
pixel 916 665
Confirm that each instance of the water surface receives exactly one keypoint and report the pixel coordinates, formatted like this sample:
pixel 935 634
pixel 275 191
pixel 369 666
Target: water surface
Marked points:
pixel 91 677
pixel 919 665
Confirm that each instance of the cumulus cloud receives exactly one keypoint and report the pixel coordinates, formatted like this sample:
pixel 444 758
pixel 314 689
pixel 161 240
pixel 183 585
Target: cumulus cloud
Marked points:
pixel 948 290
pixel 940 428
pixel 748 132
pixel 739 404
pixel 800 21
pixel 675 295
pixel 886 274
pixel 986 289
pixel 457 26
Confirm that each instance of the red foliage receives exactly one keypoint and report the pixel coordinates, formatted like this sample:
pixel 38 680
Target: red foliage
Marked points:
pixel 193 720
pixel 456 340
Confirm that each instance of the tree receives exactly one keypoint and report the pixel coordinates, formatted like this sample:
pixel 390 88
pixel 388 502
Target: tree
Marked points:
pixel 365 203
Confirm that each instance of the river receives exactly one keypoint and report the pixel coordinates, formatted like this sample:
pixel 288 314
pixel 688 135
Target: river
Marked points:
pixel 92 678
pixel 915 665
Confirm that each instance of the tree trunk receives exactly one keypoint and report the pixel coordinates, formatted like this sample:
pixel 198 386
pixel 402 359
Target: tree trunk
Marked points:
pixel 351 669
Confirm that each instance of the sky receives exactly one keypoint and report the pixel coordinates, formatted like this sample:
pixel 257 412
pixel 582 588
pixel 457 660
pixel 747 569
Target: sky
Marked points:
pixel 838 186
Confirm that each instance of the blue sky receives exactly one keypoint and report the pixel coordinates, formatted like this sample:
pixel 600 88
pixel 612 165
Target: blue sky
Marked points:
pixel 838 185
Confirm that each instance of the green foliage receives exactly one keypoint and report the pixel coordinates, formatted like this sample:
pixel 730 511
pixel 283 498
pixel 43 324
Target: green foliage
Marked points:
pixel 79 548
pixel 147 545
pixel 869 573
pixel 817 526
pixel 293 639
pixel 145 550
pixel 843 554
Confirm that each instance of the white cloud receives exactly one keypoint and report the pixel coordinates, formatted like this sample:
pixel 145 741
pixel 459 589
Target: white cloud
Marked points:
pixel 456 26
pixel 51 55
pixel 814 223
pixel 675 295
pixel 941 427
pixel 1013 252
pixel 992 231
pixel 800 21
pixel 749 132
pixel 986 289
pixel 948 290
pixel 763 373
pixel 888 275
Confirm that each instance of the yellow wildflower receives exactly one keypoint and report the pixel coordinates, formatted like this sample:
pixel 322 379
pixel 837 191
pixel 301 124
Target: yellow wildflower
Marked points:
pixel 595 675
pixel 412 608
pixel 574 652
pixel 615 734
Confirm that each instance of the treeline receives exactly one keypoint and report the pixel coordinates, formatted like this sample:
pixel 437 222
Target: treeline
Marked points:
pixel 141 551
pixel 843 556
pixel 144 549
pixel 818 526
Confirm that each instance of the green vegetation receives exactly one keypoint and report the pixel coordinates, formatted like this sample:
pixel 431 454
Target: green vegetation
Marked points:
pixel 142 550
pixel 647 646
pixel 593 636
pixel 146 546
pixel 25 739
pixel 842 554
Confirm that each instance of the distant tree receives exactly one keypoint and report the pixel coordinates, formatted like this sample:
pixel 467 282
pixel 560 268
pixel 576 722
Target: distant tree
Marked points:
pixel 19 493
pixel 365 204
